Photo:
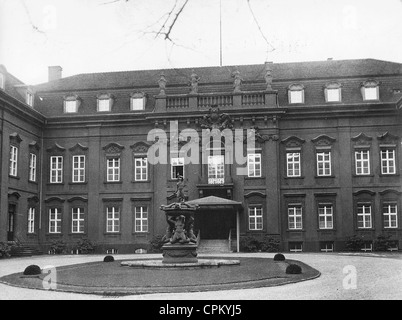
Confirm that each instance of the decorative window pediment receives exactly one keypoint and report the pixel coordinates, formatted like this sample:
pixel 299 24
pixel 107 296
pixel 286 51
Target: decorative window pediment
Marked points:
pixel 323 141
pixel 140 147
pixel 293 142
pixel 388 138
pixel 78 147
pixel 54 199
pixel 15 138
pixel 80 199
pixel 34 147
pixel 113 148
pixel 362 140
pixel 56 148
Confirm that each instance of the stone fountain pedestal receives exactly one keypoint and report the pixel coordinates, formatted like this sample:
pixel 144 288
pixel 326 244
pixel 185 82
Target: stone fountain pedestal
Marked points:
pixel 179 253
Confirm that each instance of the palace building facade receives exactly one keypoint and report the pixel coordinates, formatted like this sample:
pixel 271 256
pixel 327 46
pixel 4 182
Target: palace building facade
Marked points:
pixel 326 163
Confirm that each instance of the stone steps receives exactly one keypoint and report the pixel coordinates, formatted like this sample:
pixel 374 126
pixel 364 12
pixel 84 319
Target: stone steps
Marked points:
pixel 24 251
pixel 214 246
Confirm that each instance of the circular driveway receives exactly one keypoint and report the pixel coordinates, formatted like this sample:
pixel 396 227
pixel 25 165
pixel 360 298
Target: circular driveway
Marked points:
pixel 343 276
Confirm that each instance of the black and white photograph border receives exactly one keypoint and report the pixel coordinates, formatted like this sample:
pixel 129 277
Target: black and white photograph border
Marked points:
pixel 200 150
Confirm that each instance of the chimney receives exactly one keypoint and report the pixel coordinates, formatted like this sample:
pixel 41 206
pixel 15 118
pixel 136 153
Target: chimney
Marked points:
pixel 55 73
pixel 330 59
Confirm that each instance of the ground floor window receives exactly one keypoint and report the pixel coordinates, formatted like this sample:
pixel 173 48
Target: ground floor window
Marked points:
pixel 112 219
pixel 255 218
pixel 325 216
pixel 141 219
pixel 31 220
pixel 54 220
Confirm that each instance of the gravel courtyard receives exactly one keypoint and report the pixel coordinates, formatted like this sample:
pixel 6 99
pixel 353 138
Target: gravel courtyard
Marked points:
pixel 343 276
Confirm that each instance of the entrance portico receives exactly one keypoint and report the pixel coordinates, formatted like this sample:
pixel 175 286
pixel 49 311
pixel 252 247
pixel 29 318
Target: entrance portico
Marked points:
pixel 216 217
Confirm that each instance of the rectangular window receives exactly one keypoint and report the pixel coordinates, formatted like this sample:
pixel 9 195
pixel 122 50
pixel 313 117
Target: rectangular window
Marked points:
pixel 293 164
pixel 255 218
pixel 370 93
pixel 54 220
pixel 31 220
pixel 216 169
pixel 364 216
pixel 78 220
pixel 324 163
pixel 296 96
pixel 390 214
pixel 78 168
pixel 32 167
pixel 254 165
pixel 13 161
pixel 326 246
pixel 362 162
pixel 333 95
pixel 103 105
pixel 388 165
pixel 295 217
pixel 137 104
pixel 141 219
pixel 56 169
pixel 141 169
pixel 177 167
pixel 295 246
pixel 29 99
pixel 113 219
pixel 113 169
pixel 325 216
pixel 70 106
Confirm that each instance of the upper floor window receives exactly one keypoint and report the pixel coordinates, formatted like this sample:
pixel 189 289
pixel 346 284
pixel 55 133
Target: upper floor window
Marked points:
pixel 79 168
pixel 141 169
pixel 105 102
pixel 2 81
pixel 324 163
pixel 13 161
pixel 296 93
pixel 362 162
pixel 138 101
pixel 56 169
pixel 113 169
pixel 388 163
pixel 32 167
pixel 177 167
pixel 29 98
pixel 370 90
pixel 333 92
pixel 293 164
pixel 31 220
pixel 71 104
pixel 254 165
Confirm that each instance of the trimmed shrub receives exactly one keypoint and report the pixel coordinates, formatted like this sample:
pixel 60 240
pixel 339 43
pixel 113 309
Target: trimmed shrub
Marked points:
pixel 354 243
pixel 32 270
pixel 293 269
pixel 249 244
pixel 383 243
pixel 4 250
pixel 269 244
pixel 85 246
pixel 156 244
pixel 279 257
pixel 58 247
pixel 108 259
pixel 253 244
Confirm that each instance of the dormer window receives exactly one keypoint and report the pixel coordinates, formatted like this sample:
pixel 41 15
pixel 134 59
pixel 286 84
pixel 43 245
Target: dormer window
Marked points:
pixel 105 102
pixel 2 81
pixel 71 104
pixel 29 98
pixel 296 93
pixel 370 90
pixel 138 101
pixel 333 92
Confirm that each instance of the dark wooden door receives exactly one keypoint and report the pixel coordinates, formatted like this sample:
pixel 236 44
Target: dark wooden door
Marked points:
pixel 215 224
pixel 11 222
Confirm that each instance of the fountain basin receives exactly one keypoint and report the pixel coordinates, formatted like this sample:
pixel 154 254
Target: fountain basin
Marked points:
pixel 201 263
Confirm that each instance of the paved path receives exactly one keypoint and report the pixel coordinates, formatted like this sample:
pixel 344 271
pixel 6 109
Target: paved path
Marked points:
pixel 378 276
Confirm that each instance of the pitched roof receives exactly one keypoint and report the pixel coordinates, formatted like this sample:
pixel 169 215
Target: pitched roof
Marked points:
pixel 180 77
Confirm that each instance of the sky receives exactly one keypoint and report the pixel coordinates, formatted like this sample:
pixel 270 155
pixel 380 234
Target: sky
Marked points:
pixel 87 36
